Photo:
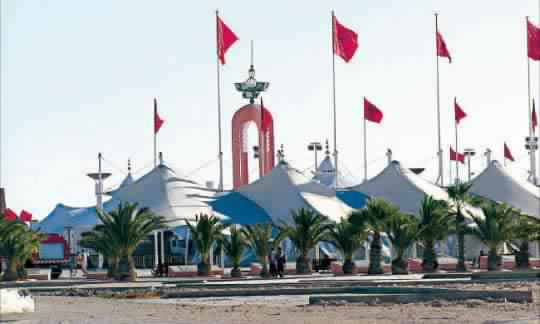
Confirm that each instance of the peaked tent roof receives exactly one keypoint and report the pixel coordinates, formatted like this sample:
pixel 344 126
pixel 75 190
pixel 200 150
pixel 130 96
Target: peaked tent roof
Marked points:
pixel 63 215
pixel 403 188
pixel 167 193
pixel 326 174
pixel 497 184
pixel 128 180
pixel 279 192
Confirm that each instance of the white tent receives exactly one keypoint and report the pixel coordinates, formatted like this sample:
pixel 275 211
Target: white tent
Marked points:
pixel 326 175
pixel 404 189
pixel 496 184
pixel 281 191
pixel 167 193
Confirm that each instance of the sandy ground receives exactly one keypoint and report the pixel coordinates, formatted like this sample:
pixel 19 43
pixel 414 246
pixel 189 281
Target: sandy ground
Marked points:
pixel 283 310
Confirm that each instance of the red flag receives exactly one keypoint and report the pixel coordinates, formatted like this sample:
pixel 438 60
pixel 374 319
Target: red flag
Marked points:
pixel 225 39
pixel 456 156
pixel 458 112
pixel 442 50
pixel 533 118
pixel 25 216
pixel 507 153
pixel 371 112
pixel 158 122
pixel 345 41
pixel 533 41
pixel 10 215
pixel 266 120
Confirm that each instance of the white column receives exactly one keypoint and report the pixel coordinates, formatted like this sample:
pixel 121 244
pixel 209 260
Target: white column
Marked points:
pixel 163 247
pixel 413 251
pixel 186 252
pixel 211 256
pixel 317 252
pixel 222 258
pixel 100 261
pixel 155 248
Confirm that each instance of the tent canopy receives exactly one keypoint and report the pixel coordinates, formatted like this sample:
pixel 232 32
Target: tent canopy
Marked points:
pixel 165 191
pixel 273 197
pixel 403 188
pixel 497 184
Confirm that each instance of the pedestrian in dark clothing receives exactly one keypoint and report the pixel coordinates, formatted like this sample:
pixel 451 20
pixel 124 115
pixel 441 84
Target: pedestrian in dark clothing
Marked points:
pixel 281 261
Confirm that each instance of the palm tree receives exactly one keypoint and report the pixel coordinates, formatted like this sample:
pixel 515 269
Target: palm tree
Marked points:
pixel 205 233
pixel 348 238
pixel 376 215
pixel 260 240
pixel 526 229
pixel 119 234
pixel 17 243
pixel 99 241
pixel 309 229
pixel 402 230
pixel 495 229
pixel 435 224
pixel 459 195
pixel 234 247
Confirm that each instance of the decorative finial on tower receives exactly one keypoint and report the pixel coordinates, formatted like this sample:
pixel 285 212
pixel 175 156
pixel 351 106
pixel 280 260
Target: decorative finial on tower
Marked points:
pixel 327 148
pixel 129 166
pixel 389 156
pixel 281 154
pixel 160 158
pixel 251 88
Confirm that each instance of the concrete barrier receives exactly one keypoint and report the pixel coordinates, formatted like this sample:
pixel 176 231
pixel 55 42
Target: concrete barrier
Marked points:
pixel 15 301
pixel 38 274
pixel 191 271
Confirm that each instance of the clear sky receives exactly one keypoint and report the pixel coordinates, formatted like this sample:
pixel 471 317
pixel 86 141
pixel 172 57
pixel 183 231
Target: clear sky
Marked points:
pixel 78 78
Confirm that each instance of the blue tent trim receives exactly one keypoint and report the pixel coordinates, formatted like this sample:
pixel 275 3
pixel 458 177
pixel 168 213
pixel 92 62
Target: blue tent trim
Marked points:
pixel 353 199
pixel 240 210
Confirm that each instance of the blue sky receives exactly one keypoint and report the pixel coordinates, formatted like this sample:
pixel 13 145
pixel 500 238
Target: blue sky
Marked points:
pixel 78 78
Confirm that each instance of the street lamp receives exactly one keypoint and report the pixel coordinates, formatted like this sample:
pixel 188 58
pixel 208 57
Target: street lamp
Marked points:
pixel 531 144
pixel 315 147
pixel 469 153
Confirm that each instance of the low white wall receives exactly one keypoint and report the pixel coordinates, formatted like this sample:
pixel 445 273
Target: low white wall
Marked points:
pixel 14 301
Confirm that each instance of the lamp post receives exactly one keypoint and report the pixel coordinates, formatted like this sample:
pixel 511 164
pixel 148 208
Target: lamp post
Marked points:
pixel 315 147
pixel 469 152
pixel 531 144
pixel 70 250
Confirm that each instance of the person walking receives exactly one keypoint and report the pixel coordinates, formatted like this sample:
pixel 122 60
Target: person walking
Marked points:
pixel 281 261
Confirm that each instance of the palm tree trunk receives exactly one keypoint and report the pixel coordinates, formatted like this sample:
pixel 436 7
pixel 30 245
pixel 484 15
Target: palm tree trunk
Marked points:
pixel 493 259
pixel 461 267
pixel 429 258
pixel 399 264
pixel 303 265
pixel 375 252
pixel 132 270
pixel 348 266
pixel 522 257
pixel 11 270
pixel 113 267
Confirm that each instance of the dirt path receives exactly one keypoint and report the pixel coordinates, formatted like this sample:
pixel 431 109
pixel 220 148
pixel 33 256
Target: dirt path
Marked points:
pixel 283 310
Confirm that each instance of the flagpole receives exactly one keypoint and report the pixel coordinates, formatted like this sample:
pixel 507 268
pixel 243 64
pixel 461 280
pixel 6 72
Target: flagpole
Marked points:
pixel 532 174
pixel 155 133
pixel 334 99
pixel 441 170
pixel 220 151
pixel 365 145
pixel 457 150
